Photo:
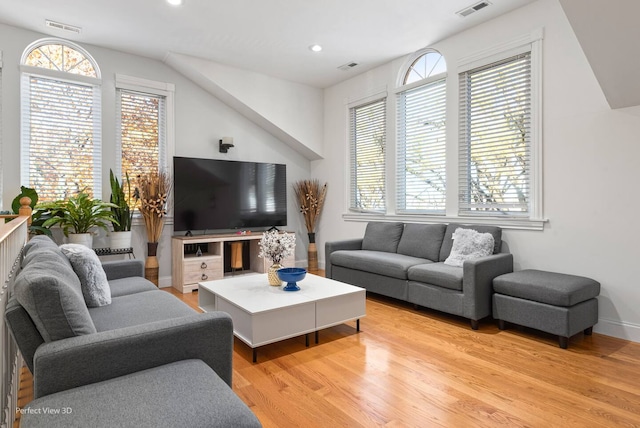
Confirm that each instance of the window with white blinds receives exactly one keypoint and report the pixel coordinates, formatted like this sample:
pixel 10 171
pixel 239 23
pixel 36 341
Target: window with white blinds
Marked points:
pixel 368 148
pixel 421 145
pixel 495 138
pixel 141 132
pixel 61 119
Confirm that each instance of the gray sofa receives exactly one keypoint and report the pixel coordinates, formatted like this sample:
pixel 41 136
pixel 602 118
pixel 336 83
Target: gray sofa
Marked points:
pixel 405 261
pixel 146 343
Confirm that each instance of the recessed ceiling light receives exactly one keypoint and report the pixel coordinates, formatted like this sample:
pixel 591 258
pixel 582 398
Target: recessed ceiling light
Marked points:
pixel 175 2
pixel 315 48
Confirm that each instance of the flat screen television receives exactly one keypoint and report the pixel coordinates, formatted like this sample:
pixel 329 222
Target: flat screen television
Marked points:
pixel 213 194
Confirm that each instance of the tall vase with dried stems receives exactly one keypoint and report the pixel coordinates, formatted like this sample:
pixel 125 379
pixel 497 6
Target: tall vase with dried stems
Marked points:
pixel 153 191
pixel 311 196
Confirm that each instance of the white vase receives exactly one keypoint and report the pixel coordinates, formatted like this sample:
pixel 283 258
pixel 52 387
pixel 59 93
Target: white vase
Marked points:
pixel 85 239
pixel 118 240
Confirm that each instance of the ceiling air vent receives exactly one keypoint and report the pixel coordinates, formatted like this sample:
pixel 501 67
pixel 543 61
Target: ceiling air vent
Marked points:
pixel 61 26
pixel 347 66
pixel 471 9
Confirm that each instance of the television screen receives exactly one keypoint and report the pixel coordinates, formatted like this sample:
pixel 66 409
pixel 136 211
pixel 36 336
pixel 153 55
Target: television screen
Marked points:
pixel 212 194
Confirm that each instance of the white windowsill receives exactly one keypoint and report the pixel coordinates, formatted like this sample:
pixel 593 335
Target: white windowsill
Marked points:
pixel 505 223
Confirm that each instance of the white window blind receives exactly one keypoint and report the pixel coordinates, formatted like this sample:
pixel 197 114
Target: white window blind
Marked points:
pixel 141 132
pixel 61 137
pixel 368 147
pixel 421 179
pixel 495 138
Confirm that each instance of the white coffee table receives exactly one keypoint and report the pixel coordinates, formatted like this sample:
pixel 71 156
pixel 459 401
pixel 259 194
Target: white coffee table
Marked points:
pixel 264 314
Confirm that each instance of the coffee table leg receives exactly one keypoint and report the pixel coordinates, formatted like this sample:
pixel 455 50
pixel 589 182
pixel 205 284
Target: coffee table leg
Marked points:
pixel 317 334
pixel 255 355
pixel 358 324
pixel 306 340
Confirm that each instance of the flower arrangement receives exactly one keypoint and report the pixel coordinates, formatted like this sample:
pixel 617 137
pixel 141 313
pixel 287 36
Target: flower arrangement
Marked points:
pixel 311 200
pixel 276 246
pixel 153 191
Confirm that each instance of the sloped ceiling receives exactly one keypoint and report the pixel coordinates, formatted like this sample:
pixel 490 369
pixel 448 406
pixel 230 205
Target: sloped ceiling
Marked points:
pixel 609 34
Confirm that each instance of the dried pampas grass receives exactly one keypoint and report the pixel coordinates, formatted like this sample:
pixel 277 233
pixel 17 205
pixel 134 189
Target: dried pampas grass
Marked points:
pixel 310 201
pixel 153 190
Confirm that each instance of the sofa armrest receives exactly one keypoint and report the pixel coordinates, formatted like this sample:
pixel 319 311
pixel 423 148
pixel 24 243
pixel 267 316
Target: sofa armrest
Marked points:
pixel 82 360
pixel 123 268
pixel 330 247
pixel 477 282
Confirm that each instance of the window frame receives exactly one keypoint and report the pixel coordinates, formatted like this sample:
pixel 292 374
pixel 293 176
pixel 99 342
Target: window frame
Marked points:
pixel 536 220
pixel 403 89
pixel 28 71
pixel 531 43
pixel 362 102
pixel 154 88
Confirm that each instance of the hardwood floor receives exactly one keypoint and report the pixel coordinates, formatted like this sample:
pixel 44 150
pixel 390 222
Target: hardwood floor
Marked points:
pixel 417 368
pixel 422 368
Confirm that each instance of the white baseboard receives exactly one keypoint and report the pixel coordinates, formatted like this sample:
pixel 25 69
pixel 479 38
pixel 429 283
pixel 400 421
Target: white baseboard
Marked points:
pixel 164 282
pixel 618 329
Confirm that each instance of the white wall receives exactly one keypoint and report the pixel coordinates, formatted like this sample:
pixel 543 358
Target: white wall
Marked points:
pixel 589 160
pixel 201 120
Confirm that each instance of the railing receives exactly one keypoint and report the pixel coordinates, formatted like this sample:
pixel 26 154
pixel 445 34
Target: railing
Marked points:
pixel 13 236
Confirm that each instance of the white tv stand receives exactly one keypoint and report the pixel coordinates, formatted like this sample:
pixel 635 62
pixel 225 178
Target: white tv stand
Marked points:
pixel 188 269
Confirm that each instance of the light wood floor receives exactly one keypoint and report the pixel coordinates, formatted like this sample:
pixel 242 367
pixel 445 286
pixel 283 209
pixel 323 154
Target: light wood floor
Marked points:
pixel 422 368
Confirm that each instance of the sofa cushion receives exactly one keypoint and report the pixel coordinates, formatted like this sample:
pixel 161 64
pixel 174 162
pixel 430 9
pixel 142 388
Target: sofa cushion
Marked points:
pixel 137 309
pixel 437 274
pixel 185 393
pixel 422 240
pixel 93 279
pixel 468 245
pixel 447 242
pixel 378 262
pixel 552 288
pixel 49 290
pixel 382 236
pixel 42 244
pixel 133 284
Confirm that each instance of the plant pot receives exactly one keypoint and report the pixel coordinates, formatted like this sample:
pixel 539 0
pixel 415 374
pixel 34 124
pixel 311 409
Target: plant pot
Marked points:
pixel 85 239
pixel 272 275
pixel 118 240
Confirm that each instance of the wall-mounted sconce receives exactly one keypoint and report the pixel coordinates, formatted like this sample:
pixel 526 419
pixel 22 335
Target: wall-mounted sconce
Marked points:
pixel 225 144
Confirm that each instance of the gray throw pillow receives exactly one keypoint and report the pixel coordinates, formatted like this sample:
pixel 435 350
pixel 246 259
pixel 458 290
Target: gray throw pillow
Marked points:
pixel 382 236
pixel 49 291
pixel 93 279
pixel 469 244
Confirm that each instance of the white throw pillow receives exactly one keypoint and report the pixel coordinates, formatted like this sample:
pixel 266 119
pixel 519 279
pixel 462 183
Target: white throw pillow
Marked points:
pixel 469 244
pixel 93 279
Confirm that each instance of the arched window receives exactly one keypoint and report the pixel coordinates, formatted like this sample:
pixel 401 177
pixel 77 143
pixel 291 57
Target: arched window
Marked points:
pixel 61 120
pixel 421 140
pixel 426 65
pixel 56 55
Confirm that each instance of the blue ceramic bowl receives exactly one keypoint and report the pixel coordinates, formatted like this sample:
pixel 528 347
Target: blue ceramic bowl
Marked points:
pixel 291 276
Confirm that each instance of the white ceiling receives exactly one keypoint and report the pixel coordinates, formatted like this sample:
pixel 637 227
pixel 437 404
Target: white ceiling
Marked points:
pixel 268 36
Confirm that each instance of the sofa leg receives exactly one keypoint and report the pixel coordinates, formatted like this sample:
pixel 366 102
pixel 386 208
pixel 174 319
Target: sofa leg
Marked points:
pixel 563 342
pixel 502 325
pixel 588 331
pixel 474 324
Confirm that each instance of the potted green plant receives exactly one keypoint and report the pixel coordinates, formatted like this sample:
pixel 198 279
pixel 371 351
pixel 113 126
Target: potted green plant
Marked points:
pixel 121 196
pixel 77 215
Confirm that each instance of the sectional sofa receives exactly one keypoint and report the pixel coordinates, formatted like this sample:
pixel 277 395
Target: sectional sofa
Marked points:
pixel 144 358
pixel 407 262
